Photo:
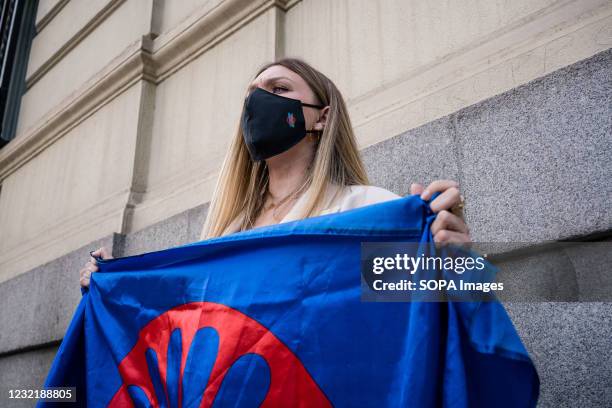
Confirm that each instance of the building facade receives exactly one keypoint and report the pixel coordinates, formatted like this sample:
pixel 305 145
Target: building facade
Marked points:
pixel 127 108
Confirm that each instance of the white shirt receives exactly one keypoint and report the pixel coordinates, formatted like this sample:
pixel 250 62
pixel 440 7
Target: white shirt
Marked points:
pixel 336 199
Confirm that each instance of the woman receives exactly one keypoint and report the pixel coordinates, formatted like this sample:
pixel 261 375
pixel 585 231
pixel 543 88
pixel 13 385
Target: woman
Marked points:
pixel 293 156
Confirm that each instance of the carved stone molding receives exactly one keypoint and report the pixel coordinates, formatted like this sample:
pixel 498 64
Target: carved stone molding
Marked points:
pixel 152 58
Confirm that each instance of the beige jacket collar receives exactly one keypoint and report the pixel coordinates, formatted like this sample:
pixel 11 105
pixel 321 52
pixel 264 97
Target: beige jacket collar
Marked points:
pixel 332 195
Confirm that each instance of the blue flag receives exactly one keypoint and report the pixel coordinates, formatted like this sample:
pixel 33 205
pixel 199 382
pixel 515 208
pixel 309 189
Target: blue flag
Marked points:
pixel 273 317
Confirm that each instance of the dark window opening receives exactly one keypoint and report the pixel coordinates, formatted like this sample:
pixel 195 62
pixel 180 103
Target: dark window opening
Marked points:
pixel 17 28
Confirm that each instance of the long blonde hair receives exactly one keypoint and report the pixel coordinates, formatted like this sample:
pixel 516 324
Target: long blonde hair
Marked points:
pixel 242 183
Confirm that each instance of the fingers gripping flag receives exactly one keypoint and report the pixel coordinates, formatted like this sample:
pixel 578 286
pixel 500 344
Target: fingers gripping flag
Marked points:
pixel 272 317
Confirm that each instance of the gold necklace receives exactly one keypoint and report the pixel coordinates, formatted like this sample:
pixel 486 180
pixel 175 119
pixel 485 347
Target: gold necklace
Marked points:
pixel 279 203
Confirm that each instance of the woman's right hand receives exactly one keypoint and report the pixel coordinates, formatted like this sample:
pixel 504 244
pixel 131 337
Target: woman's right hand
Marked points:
pixel 92 266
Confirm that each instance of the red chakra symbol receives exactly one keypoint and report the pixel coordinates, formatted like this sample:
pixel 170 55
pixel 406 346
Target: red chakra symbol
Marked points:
pixel 202 354
pixel 291 119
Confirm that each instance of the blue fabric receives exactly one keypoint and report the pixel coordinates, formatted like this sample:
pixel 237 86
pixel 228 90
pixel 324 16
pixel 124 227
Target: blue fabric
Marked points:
pixel 273 316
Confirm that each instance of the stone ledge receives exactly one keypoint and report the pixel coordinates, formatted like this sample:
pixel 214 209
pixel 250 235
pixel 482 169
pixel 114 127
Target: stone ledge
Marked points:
pixel 177 230
pixel 565 272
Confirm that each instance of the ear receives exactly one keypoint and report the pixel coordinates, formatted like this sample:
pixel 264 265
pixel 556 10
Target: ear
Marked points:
pixel 320 124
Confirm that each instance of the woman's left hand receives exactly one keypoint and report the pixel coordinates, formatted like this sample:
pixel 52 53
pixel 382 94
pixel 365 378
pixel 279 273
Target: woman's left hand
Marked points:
pixel 447 227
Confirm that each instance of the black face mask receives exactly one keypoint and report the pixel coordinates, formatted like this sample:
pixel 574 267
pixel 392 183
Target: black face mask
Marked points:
pixel 271 124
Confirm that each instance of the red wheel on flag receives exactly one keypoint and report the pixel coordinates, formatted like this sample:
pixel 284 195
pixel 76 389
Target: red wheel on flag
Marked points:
pixel 160 351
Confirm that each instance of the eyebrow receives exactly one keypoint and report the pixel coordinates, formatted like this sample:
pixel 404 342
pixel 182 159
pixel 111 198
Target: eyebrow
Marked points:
pixel 268 80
